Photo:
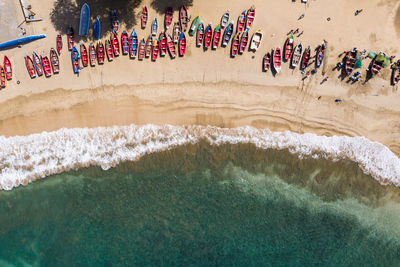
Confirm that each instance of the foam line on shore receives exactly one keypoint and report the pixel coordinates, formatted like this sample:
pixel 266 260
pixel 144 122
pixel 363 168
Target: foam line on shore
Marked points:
pixel 25 159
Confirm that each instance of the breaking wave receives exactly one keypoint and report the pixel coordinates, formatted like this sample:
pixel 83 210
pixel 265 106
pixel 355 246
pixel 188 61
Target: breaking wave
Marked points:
pixel 24 159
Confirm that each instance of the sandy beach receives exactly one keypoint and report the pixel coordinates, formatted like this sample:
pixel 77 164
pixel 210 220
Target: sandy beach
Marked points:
pixel 210 88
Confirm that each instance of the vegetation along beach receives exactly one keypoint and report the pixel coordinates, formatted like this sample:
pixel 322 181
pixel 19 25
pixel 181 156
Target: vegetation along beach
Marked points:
pixel 188 132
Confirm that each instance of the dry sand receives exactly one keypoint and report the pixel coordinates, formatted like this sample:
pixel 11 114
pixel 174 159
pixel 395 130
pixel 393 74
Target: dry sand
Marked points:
pixel 210 88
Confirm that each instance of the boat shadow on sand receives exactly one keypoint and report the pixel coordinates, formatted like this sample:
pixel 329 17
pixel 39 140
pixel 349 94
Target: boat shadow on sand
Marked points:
pixel 67 12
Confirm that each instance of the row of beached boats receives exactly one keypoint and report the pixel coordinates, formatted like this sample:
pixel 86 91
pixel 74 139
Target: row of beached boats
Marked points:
pixel 294 55
pixel 39 65
pixel 5 72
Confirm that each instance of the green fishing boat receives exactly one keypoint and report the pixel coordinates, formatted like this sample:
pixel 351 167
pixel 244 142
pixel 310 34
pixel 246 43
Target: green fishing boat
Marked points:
pixel 195 24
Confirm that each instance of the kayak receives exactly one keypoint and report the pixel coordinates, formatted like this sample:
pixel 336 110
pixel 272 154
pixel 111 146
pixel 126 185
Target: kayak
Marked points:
pixel 182 44
pixel 235 45
pixel 217 37
pixel 194 26
pixel 115 44
pixel 84 55
pixel 133 44
pixel 70 37
pixel 144 17
pixel 168 17
pixel 200 35
pixel 124 43
pixel 7 68
pixel 30 67
pixel 154 53
pixel 109 51
pixel 55 62
pixel 227 35
pixel 59 43
pixel 183 18
pixel 100 52
pixel 75 60
pixel 37 64
pixel 46 65
pixel 142 51
pixel 163 44
pixel 92 55
pixel 171 46
pixel 207 37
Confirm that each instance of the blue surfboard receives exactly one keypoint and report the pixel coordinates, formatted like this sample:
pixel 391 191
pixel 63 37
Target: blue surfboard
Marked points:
pixel 96 29
pixel 84 23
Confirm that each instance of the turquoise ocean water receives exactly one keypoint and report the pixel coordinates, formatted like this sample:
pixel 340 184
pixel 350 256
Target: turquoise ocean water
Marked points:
pixel 202 205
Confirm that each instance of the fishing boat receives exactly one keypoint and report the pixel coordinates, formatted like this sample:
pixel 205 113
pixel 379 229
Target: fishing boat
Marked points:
pixel 235 45
pixel 154 52
pixel 30 67
pixel 225 19
pixel 217 37
pixel 133 44
pixel 75 60
pixel 96 29
pixel 350 62
pixel 154 27
pixel 114 21
pixel 183 18
pixel 84 54
pixel 2 77
pixel 163 44
pixel 277 60
pixel 21 41
pixel 266 62
pixel 176 32
pixel 70 38
pixel 149 46
pixel 256 40
pixel 250 15
pixel 7 68
pixel 142 51
pixel 200 35
pixel 55 62
pixel 288 48
pixel 168 17
pixel 100 52
pixel 46 65
pixel 124 43
pixel 306 58
pixel 244 41
pixel 115 44
pixel 38 64
pixel 59 43
pixel 207 37
pixel 171 46
pixel 182 44
pixel 319 57
pixel 241 22
pixel 227 34
pixel 144 17
pixel 84 21
pixel 395 75
pixel 377 63
pixel 92 55
pixel 194 26
pixel 296 55
pixel 109 50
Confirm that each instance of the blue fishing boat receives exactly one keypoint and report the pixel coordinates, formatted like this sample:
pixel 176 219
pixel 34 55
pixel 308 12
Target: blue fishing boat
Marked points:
pixel 75 57
pixel 84 23
pixel 21 41
pixel 96 29
pixel 114 21
pixel 37 63
pixel 154 27
pixel 227 34
pixel 133 44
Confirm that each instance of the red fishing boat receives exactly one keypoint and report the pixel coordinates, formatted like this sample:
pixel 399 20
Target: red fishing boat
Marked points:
pixel 182 44
pixel 2 77
pixel 142 51
pixel 350 62
pixel 168 17
pixel 70 37
pixel 267 62
pixel 124 43
pixel 241 22
pixel 235 45
pixel 30 67
pixel 243 42
pixel 207 37
pixel 100 52
pixel 59 43
pixel 149 46
pixel 7 68
pixel 92 55
pixel 288 49
pixel 115 44
pixel 277 60
pixel 163 44
pixel 306 58
pixel 84 55
pixel 154 52
pixel 46 65
pixel 171 46
pixel 55 62
pixel 183 18
pixel 250 15
pixel 145 16
pixel 217 37
pixel 109 51
pixel 200 34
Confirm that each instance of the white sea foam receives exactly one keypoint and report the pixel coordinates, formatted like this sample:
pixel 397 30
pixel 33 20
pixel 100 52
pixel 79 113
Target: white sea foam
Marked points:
pixel 24 159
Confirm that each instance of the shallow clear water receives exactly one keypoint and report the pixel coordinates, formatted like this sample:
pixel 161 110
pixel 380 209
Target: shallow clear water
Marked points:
pixel 204 205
